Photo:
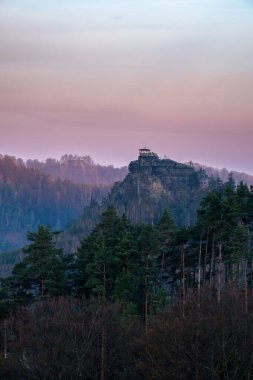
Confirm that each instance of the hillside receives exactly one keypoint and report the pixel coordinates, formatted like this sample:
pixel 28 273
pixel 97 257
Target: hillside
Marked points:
pixel 29 197
pixel 152 185
pixel 79 170
pixel 224 173
pixel 56 191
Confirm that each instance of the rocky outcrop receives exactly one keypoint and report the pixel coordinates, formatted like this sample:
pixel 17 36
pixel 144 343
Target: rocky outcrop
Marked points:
pixel 154 184
pixel 151 186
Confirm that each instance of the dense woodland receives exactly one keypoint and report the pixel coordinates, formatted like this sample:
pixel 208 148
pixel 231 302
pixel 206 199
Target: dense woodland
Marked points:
pixel 224 174
pixel 79 169
pixel 136 301
pixel 29 197
pixel 68 191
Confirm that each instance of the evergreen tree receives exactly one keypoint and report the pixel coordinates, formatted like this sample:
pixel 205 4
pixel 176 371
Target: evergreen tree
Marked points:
pixel 97 262
pixel 166 234
pixel 129 278
pixel 150 252
pixel 182 238
pixel 41 272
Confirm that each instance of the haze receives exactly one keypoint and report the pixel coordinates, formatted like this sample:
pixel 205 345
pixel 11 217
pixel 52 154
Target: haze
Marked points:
pixel 107 77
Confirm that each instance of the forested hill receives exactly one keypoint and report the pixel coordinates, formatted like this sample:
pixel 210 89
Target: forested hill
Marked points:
pixel 155 184
pixel 151 186
pixel 224 174
pixel 56 191
pixel 82 169
pixel 79 170
pixel 29 197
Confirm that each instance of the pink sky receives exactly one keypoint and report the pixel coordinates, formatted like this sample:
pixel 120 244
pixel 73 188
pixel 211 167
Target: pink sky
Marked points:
pixel 106 78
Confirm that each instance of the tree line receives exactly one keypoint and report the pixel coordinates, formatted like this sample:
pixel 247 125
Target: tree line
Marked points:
pixel 137 300
pixel 80 170
pixel 29 197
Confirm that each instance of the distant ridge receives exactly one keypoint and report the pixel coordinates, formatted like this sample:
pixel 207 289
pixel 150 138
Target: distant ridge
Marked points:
pixel 29 197
pixel 56 192
pixel 79 169
pixel 224 173
pixel 152 185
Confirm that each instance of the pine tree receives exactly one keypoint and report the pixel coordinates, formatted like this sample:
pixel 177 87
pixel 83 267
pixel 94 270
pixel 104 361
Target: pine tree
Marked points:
pixel 97 262
pixel 129 277
pixel 166 234
pixel 149 250
pixel 181 242
pixel 41 272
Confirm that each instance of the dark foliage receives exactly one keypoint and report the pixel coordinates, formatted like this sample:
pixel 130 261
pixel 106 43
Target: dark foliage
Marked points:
pixel 139 301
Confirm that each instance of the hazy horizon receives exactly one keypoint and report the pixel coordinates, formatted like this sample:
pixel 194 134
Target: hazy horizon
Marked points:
pixel 163 156
pixel 106 78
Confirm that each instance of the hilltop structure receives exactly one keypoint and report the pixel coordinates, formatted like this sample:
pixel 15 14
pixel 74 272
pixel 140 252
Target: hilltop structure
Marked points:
pixel 145 152
pixel 154 184
pixel 151 186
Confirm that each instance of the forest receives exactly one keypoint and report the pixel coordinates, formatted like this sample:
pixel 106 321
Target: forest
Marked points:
pixel 79 169
pixel 34 192
pixel 136 301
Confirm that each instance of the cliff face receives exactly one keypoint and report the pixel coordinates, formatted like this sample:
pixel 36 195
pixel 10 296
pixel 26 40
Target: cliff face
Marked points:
pixel 151 186
pixel 154 184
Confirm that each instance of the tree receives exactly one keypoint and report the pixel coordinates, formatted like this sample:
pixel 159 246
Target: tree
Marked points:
pixel 41 272
pixel 61 339
pixel 166 229
pixel 97 262
pixel 181 241
pixel 149 250
pixel 129 278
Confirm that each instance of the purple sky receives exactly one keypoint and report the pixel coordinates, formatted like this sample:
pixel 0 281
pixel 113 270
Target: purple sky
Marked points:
pixel 107 77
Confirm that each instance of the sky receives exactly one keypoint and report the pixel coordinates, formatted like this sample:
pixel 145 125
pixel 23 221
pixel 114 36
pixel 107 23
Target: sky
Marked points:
pixel 106 77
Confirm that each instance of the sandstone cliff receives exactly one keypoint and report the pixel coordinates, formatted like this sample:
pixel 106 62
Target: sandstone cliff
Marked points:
pixel 152 185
